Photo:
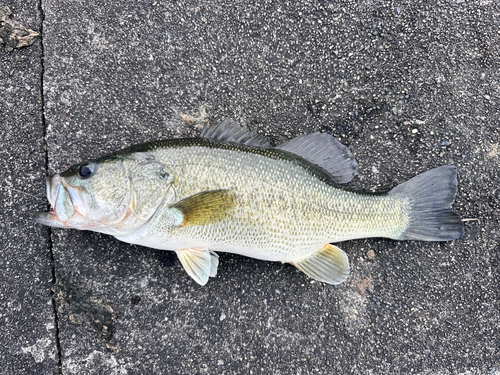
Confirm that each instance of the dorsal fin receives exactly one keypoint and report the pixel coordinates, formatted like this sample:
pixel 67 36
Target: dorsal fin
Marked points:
pixel 230 130
pixel 326 152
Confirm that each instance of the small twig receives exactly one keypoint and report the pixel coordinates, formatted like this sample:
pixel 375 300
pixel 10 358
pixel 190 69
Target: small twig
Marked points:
pixel 197 122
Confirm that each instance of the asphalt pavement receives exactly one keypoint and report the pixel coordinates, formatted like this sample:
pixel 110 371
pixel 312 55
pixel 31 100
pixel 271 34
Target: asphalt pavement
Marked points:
pixel 406 85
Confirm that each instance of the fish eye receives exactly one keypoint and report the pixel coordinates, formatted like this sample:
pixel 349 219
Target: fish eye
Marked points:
pixel 85 170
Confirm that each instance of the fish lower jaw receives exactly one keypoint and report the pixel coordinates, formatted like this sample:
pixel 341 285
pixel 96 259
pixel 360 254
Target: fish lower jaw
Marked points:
pixel 76 221
pixel 50 219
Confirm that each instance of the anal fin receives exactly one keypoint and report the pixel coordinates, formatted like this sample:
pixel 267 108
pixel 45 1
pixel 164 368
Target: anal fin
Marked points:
pixel 199 263
pixel 329 265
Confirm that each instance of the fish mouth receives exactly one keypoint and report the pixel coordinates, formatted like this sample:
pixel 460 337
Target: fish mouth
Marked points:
pixel 68 208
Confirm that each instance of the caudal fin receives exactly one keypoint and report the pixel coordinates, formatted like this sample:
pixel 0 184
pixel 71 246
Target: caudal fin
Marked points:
pixel 431 195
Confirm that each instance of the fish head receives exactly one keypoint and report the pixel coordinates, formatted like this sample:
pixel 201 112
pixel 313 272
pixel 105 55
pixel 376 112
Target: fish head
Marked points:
pixel 89 195
pixel 113 195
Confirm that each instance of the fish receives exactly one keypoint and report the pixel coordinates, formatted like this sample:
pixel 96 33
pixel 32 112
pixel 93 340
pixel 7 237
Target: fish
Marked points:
pixel 229 191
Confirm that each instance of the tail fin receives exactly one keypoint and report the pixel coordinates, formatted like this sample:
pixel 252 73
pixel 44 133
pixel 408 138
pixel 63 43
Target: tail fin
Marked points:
pixel 431 195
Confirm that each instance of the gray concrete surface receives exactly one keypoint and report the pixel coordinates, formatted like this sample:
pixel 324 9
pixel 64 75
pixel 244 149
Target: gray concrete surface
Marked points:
pixel 27 316
pixel 408 86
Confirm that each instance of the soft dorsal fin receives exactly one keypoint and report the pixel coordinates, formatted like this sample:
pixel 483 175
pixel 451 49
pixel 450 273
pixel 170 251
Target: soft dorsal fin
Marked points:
pixel 199 263
pixel 230 130
pixel 206 207
pixel 326 152
pixel 329 265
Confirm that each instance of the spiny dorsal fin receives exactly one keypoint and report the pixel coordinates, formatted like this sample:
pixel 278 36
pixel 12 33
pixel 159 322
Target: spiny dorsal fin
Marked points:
pixel 329 265
pixel 199 263
pixel 326 152
pixel 206 207
pixel 230 130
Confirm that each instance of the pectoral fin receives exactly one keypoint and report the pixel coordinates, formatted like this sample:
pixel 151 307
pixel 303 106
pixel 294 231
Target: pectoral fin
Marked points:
pixel 199 263
pixel 329 265
pixel 206 207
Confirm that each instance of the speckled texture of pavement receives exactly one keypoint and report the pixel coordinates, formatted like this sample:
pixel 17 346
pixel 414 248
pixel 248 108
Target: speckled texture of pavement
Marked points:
pixel 407 85
pixel 28 343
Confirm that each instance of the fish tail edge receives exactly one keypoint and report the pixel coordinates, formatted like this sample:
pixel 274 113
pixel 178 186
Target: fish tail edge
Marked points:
pixel 430 196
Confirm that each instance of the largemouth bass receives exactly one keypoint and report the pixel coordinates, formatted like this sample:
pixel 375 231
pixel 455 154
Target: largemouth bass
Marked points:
pixel 229 191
